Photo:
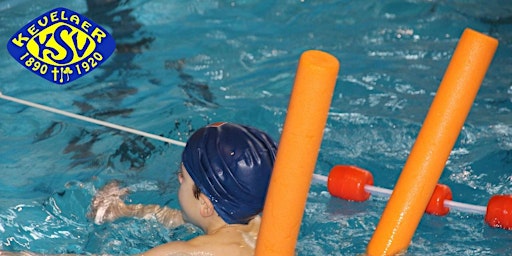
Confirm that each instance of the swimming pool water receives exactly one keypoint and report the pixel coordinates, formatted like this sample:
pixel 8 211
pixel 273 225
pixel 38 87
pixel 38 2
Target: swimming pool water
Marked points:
pixel 182 64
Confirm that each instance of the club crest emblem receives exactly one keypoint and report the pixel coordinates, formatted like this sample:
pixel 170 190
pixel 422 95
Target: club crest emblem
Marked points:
pixel 61 45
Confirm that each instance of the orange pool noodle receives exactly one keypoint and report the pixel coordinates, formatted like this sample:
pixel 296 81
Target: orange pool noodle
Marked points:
pixel 297 154
pixel 434 143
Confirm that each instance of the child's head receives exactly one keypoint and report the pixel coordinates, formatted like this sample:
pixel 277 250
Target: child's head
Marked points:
pixel 231 164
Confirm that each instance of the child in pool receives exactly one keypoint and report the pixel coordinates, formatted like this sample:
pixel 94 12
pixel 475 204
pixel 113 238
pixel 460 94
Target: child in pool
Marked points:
pixel 223 178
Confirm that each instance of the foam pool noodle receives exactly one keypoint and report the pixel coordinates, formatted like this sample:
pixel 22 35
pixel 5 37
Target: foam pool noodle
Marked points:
pixel 297 153
pixel 434 143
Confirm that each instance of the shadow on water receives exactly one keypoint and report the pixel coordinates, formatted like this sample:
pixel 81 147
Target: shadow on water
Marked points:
pixel 104 102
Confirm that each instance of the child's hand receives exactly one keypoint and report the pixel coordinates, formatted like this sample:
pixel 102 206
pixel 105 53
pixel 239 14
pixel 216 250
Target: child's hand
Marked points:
pixel 107 204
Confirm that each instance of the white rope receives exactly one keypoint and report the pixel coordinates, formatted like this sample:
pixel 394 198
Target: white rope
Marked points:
pixel 463 207
pixel 92 120
pixel 316 177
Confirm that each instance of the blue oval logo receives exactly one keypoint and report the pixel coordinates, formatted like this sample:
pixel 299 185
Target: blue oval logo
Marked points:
pixel 61 45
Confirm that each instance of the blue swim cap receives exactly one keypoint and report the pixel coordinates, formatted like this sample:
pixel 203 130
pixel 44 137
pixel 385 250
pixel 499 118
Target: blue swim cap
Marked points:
pixel 231 164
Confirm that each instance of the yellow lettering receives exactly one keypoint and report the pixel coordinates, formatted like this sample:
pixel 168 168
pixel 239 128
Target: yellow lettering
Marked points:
pixel 20 40
pixel 98 34
pixel 86 25
pixel 43 22
pixel 32 30
pixel 63 16
pixel 53 16
pixel 74 18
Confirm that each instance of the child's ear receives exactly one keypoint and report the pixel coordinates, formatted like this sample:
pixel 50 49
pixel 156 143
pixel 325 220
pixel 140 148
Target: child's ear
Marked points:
pixel 206 208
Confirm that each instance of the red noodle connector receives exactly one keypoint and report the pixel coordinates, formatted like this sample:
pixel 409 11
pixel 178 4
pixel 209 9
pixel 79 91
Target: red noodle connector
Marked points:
pixel 436 204
pixel 499 212
pixel 347 182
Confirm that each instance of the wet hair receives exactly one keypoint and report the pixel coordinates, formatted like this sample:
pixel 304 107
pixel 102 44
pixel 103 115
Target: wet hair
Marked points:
pixel 196 191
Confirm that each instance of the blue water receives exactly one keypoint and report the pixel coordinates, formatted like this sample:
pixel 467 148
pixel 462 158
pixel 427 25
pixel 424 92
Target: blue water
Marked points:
pixel 182 64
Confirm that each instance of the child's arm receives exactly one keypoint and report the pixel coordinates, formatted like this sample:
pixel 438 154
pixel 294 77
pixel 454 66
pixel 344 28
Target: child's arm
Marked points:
pixel 107 205
pixel 170 218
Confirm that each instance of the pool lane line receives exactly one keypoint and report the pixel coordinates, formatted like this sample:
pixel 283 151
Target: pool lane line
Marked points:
pixel 386 193
pixel 436 138
pixel 381 192
pixel 353 183
pixel 92 120
pixel 377 191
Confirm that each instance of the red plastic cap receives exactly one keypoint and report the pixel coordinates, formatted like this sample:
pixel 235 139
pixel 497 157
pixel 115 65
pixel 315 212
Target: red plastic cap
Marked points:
pixel 347 182
pixel 436 204
pixel 499 212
